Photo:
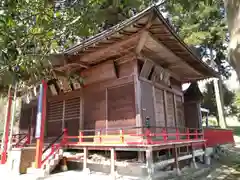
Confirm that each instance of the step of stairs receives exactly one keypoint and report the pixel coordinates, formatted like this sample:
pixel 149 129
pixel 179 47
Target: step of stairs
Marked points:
pixel 48 166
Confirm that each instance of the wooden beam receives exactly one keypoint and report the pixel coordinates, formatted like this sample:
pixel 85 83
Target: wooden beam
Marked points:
pixel 144 35
pixel 175 91
pixel 126 58
pixel 174 54
pixel 115 48
pixel 142 41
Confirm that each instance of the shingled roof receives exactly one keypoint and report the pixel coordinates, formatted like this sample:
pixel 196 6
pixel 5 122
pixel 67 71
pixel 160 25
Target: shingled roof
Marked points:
pixel 158 28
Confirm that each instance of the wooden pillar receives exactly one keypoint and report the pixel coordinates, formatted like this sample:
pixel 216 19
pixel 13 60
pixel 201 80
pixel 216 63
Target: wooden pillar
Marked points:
pixel 149 161
pixel 137 90
pixel 63 116
pixel 106 110
pixel 176 120
pixel 175 151
pixel 165 108
pixel 81 123
pixel 113 163
pixel 40 124
pixel 85 157
pixel 193 163
pixel 140 156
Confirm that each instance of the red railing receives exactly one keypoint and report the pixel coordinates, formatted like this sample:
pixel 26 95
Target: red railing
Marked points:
pixel 54 146
pixel 20 140
pixel 129 135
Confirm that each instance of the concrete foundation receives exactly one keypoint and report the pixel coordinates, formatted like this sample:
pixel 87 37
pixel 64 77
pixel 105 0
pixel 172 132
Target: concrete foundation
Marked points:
pixel 136 170
pixel 20 159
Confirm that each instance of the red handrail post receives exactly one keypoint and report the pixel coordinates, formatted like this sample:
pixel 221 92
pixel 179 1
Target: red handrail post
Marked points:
pixel 100 136
pixel 164 134
pixel 148 136
pixel 64 139
pixel 188 134
pixel 177 134
pixel 121 136
pixel 196 134
pixel 28 138
pixel 80 137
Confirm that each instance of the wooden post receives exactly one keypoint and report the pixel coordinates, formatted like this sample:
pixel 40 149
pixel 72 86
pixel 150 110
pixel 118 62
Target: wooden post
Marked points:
pixel 6 128
pixel 121 136
pixel 80 137
pixel 165 108
pixel 85 157
pixel 137 91
pixel 113 163
pixel 188 135
pixel 100 136
pixel 176 161
pixel 149 161
pixel 140 156
pixel 40 124
pixel 194 165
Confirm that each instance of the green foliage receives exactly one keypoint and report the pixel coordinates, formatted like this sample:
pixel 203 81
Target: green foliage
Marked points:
pixel 236 105
pixel 202 23
pixel 209 100
pixel 31 30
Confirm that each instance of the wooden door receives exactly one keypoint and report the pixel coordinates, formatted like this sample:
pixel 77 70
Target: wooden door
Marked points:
pixel 159 109
pixel 171 128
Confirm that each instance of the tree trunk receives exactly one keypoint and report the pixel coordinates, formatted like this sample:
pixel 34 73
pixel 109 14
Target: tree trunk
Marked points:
pixel 233 19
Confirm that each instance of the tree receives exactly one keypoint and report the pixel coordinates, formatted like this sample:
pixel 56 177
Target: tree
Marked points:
pixel 31 30
pixel 201 24
pixel 233 17
pixel 209 101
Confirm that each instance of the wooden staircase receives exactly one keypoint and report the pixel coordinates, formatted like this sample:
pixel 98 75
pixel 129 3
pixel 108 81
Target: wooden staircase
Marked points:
pixel 51 161
pixel 52 155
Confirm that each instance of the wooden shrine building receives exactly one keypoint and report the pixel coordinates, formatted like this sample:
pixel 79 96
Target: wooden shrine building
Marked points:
pixel 132 73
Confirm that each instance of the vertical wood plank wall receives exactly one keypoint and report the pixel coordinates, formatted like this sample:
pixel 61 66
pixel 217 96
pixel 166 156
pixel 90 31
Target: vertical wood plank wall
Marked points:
pixel 163 105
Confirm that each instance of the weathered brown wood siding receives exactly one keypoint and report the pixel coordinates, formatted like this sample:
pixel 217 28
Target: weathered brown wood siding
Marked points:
pixel 191 112
pixel 164 104
pixel 107 102
pixel 147 103
pixel 180 121
pixel 72 115
pixel 159 108
pixel 54 120
pixel 28 118
pixel 94 109
pixel 121 107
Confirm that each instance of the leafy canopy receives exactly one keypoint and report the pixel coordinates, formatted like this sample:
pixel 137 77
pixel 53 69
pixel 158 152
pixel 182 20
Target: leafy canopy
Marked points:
pixel 30 30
